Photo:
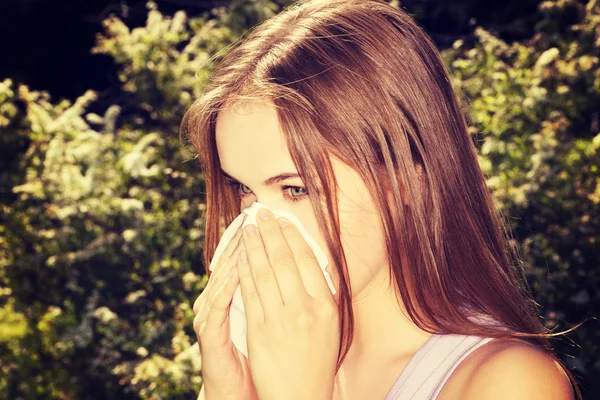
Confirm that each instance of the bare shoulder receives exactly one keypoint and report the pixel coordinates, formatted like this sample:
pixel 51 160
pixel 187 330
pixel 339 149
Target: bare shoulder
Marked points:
pixel 512 369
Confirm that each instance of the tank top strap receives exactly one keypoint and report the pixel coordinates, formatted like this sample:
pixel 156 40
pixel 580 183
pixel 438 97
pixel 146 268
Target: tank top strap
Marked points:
pixel 432 365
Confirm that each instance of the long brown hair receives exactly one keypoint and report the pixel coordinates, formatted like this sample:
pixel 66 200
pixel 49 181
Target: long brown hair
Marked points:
pixel 362 81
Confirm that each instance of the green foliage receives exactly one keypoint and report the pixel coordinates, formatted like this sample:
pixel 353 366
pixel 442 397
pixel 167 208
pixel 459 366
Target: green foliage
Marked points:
pixel 160 61
pixel 98 256
pixel 535 111
pixel 101 216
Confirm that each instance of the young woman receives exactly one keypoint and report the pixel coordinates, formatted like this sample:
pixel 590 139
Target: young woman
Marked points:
pixel 341 112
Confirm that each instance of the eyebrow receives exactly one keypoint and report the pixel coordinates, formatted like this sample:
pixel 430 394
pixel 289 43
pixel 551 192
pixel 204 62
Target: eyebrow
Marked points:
pixel 270 181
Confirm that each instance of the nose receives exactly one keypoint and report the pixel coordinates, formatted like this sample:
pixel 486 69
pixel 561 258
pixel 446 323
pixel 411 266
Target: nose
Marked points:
pixel 272 204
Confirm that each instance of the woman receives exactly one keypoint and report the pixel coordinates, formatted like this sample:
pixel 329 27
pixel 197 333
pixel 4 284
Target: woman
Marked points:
pixel 351 102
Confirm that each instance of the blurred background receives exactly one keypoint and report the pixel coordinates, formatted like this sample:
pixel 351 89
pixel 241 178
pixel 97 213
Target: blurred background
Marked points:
pixel 101 207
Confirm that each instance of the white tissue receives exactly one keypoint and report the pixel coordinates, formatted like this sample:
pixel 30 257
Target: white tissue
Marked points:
pixel 237 314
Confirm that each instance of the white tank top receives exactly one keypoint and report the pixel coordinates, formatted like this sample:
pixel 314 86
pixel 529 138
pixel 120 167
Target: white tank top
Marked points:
pixel 432 365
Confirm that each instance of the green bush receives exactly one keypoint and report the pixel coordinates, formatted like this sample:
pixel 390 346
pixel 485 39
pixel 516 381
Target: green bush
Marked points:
pixel 535 109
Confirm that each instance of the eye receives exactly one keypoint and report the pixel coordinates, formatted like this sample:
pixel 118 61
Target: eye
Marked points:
pixel 290 193
pixel 296 191
pixel 239 188
pixel 243 186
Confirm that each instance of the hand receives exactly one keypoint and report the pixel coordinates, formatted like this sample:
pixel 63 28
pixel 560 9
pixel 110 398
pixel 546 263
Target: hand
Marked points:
pixel 225 370
pixel 293 324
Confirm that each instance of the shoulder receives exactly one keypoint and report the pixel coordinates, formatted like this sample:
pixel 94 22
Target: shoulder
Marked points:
pixel 513 369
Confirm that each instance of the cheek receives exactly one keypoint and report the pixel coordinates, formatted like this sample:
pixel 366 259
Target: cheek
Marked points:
pixel 361 235
pixel 361 238
pixel 362 241
pixel 309 222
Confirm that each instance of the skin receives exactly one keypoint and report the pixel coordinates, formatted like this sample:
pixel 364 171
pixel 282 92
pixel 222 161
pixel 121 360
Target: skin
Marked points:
pixel 225 371
pixel 283 357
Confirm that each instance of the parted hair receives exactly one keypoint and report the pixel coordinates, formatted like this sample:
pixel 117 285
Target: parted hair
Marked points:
pixel 360 80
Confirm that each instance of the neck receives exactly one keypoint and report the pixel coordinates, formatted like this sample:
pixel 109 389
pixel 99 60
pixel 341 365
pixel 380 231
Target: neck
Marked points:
pixel 382 331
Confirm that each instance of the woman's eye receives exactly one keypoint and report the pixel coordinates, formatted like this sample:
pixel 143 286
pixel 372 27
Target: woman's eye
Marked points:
pixel 291 193
pixel 297 191
pixel 243 186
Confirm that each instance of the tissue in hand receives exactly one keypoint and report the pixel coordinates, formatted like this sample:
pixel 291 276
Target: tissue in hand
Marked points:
pixel 237 314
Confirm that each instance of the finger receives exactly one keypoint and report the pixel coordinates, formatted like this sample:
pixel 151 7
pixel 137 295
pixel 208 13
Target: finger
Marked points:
pixel 211 327
pixel 262 274
pixel 228 252
pixel 308 266
pixel 214 282
pixel 235 240
pixel 282 260
pixel 252 302
pixel 218 277
pixel 219 306
pixel 227 259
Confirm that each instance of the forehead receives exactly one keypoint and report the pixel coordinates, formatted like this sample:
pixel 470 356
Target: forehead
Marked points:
pixel 250 142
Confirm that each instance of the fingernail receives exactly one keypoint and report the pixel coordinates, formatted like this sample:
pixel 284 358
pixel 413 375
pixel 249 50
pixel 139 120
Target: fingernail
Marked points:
pixel 251 230
pixel 282 222
pixel 243 257
pixel 264 214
